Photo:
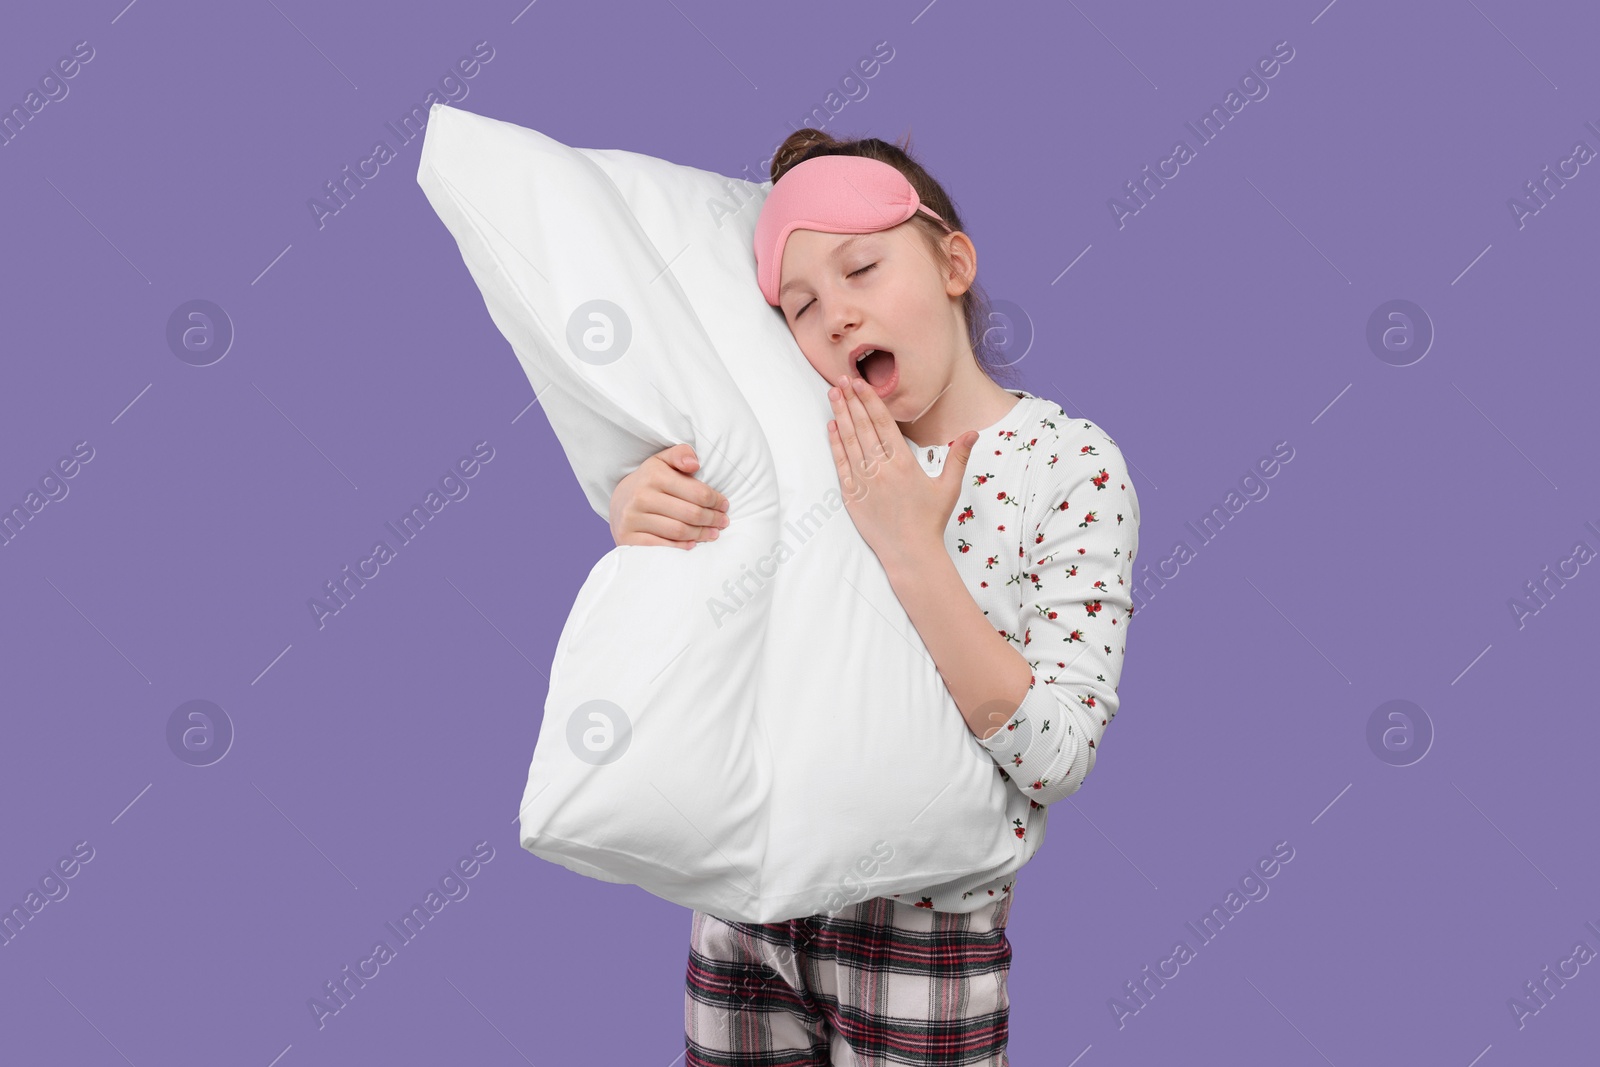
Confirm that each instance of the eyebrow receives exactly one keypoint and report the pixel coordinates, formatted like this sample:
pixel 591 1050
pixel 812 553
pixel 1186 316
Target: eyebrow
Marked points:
pixel 839 252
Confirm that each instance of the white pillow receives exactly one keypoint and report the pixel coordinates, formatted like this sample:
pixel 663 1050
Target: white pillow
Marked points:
pixel 752 728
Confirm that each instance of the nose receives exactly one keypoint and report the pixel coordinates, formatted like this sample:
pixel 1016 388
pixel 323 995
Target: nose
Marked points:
pixel 843 316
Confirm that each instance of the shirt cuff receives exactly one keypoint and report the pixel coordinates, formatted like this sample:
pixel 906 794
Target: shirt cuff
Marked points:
pixel 1043 764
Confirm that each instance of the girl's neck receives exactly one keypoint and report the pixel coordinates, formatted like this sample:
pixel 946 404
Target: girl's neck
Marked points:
pixel 971 401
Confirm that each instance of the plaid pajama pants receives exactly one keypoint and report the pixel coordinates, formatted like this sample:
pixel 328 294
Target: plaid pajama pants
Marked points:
pixel 881 983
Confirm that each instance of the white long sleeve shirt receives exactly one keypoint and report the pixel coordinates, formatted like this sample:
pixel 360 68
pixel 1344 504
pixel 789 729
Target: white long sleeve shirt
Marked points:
pixel 1043 535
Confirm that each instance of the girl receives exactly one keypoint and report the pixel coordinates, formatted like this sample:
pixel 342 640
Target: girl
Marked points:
pixel 1023 530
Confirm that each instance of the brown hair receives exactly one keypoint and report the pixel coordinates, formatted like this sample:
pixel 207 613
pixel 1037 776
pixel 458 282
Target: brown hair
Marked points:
pixel 806 143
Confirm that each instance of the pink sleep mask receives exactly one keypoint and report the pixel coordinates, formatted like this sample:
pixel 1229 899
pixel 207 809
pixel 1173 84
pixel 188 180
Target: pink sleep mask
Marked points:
pixel 833 194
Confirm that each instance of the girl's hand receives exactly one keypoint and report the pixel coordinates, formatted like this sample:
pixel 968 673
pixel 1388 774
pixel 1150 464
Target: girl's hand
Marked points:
pixel 662 503
pixel 898 509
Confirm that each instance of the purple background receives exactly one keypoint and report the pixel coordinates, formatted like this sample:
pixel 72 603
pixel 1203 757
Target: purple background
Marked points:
pixel 1228 315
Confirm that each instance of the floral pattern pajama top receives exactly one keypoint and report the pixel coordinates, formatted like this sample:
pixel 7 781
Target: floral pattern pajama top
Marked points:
pixel 1044 534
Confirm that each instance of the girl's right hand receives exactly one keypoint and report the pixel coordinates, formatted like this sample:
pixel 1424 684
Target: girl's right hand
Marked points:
pixel 662 503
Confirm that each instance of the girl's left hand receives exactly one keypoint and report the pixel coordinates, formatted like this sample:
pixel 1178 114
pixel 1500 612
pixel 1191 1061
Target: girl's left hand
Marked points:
pixel 898 509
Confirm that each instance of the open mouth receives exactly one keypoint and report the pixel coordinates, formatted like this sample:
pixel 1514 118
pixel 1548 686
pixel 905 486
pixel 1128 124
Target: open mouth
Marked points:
pixel 879 367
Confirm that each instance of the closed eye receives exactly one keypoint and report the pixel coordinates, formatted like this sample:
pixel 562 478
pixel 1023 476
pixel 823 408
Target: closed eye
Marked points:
pixel 852 274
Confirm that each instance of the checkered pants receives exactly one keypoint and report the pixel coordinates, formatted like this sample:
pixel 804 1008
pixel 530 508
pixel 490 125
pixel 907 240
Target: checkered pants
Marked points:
pixel 881 983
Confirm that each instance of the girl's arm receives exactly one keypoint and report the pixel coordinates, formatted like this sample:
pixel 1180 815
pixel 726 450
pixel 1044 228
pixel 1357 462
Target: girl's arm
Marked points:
pixel 1041 711
pixel 985 675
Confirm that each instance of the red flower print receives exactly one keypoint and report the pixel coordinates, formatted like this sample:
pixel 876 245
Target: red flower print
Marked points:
pixel 964 515
pixel 1018 827
pixel 1092 607
pixel 965 545
pixel 925 902
pixel 1089 517
pixel 1101 479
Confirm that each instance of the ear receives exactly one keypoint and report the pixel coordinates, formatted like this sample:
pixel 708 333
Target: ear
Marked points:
pixel 963 257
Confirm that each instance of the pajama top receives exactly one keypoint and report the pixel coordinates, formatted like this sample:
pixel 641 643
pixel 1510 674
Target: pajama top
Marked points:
pixel 1043 536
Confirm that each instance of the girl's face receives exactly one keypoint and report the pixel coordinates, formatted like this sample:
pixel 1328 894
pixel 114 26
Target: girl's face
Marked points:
pixel 845 294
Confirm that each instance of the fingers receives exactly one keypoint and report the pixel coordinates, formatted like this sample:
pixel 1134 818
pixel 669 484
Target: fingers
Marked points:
pixel 866 428
pixel 671 529
pixel 686 511
pixel 671 506
pixel 680 459
pixel 683 510
pixel 847 427
pixel 841 462
pixel 877 412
